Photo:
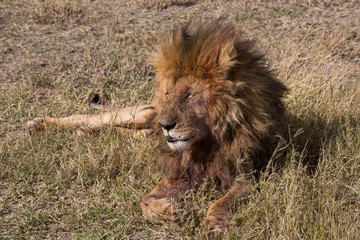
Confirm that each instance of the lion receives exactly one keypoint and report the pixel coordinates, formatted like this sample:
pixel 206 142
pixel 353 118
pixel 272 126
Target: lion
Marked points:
pixel 216 115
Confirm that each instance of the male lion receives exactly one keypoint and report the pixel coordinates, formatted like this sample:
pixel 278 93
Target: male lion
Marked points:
pixel 215 114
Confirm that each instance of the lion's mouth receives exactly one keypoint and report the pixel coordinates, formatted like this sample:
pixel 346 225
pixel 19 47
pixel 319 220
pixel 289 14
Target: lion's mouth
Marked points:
pixel 177 144
pixel 174 140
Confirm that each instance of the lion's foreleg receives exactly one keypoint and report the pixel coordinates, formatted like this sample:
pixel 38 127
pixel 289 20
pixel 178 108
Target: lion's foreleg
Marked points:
pixel 161 203
pixel 133 117
pixel 216 217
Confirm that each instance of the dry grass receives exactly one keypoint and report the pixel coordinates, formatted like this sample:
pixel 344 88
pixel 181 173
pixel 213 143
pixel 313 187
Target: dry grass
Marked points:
pixel 54 53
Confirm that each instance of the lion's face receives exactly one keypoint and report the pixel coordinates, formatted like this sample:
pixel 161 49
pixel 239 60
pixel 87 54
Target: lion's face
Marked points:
pixel 183 114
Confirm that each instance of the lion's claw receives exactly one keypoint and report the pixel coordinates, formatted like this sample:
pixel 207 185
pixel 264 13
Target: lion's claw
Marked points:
pixel 157 210
pixel 214 223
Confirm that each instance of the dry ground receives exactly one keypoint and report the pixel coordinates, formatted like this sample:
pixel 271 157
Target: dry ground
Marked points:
pixel 54 53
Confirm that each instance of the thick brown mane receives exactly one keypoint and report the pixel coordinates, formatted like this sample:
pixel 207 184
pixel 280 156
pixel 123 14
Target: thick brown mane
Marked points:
pixel 245 109
pixel 196 48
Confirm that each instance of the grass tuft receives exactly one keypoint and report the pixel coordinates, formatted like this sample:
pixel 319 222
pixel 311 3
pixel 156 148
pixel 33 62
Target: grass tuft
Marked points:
pixel 54 11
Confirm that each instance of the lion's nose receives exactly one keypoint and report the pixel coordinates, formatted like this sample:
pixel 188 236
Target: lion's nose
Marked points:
pixel 167 125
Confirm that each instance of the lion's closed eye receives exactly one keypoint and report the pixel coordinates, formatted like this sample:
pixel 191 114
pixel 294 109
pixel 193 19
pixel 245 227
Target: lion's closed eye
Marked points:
pixel 188 96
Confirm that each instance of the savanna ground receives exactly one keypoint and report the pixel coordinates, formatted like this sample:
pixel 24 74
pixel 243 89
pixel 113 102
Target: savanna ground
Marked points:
pixel 54 53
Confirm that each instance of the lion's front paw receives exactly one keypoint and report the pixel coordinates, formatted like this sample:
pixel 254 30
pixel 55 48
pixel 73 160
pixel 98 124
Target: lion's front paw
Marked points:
pixel 157 210
pixel 214 222
pixel 36 125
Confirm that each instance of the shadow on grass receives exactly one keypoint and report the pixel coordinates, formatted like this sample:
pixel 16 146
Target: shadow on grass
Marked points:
pixel 308 137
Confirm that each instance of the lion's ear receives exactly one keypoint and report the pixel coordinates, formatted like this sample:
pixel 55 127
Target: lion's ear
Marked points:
pixel 226 57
